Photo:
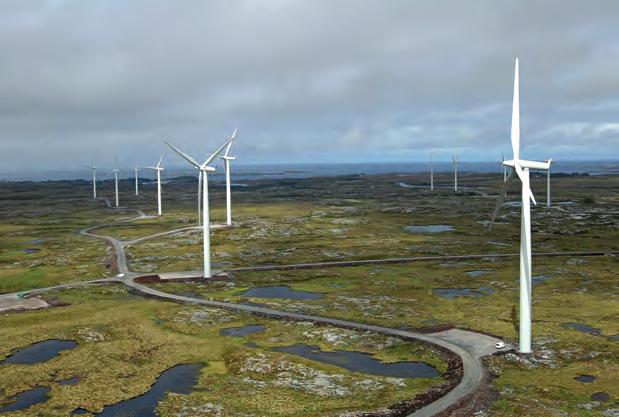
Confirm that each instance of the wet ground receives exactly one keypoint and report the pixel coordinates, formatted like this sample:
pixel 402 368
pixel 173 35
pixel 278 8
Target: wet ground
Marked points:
pixel 281 291
pixel 39 352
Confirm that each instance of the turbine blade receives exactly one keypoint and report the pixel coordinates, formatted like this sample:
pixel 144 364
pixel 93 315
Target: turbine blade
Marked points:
pixel 500 199
pixel 182 154
pixel 515 134
pixel 218 151
pixel 160 159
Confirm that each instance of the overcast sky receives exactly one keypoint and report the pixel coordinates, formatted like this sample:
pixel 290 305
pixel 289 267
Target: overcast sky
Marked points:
pixel 305 81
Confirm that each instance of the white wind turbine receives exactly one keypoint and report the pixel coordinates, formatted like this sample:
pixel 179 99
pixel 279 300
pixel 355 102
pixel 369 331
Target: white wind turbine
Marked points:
pixel 504 167
pixel 94 180
pixel 227 158
pixel 454 158
pixel 158 169
pixel 522 167
pixel 548 184
pixel 431 174
pixel 137 191
pixel 116 171
pixel 204 170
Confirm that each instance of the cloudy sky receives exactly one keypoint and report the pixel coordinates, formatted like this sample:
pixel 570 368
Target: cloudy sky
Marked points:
pixel 305 81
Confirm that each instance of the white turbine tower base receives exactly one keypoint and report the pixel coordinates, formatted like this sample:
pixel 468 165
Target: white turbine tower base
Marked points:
pixel 206 225
pixel 431 175
pixel 455 162
pixel 521 168
pixel 158 169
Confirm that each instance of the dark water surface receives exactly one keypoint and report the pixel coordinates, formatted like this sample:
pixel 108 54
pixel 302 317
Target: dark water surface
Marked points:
pixel 281 291
pixel 40 351
pixel 27 399
pixel 361 362
pixel 179 379
pixel 586 379
pixel 242 331
pixel 583 328
pixel 451 293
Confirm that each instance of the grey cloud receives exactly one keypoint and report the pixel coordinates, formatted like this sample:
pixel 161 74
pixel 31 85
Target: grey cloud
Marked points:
pixel 304 80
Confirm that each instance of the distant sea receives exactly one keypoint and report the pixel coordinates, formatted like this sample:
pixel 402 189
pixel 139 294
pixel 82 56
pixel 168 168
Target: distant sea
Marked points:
pixel 277 171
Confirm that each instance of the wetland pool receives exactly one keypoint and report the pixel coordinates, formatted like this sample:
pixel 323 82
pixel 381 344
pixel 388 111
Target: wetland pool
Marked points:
pixel 39 352
pixel 361 362
pixel 281 291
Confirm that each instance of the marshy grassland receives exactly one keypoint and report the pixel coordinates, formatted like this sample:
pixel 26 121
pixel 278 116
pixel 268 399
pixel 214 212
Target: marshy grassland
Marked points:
pixel 125 342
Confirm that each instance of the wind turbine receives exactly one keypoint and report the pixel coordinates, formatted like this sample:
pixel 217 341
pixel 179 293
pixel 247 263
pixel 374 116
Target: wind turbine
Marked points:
pixel 158 168
pixel 227 160
pixel 504 167
pixel 431 174
pixel 137 192
pixel 94 180
pixel 204 170
pixel 116 171
pixel 522 167
pixel 548 184
pixel 454 158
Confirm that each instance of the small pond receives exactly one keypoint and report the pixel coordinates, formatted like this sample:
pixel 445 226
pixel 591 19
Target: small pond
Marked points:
pixel 429 228
pixel 39 352
pixel 71 381
pixel 31 250
pixel 583 328
pixel 242 331
pixel 281 291
pixel 361 362
pixel 27 399
pixel 451 293
pixel 477 273
pixel 600 396
pixel 179 379
pixel 586 379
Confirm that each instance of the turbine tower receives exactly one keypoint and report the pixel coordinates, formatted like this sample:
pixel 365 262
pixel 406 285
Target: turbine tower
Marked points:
pixel 455 162
pixel 137 192
pixel 116 171
pixel 548 184
pixel 504 167
pixel 431 174
pixel 204 170
pixel 158 169
pixel 522 167
pixel 94 180
pixel 227 158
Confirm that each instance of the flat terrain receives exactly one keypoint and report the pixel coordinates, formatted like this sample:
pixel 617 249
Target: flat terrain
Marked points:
pixel 280 222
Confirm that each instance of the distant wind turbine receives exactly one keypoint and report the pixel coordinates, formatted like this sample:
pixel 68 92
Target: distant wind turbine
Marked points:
pixel 204 170
pixel 158 169
pixel 548 183
pixel 504 167
pixel 431 174
pixel 116 171
pixel 522 167
pixel 455 162
pixel 137 191
pixel 227 158
pixel 94 180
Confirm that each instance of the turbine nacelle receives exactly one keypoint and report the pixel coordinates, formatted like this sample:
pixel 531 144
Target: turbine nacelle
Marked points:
pixel 523 163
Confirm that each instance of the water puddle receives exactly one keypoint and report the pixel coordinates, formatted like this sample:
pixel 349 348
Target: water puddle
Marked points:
pixel 281 291
pixel 600 396
pixel 36 242
pixel 27 399
pixel 79 411
pixel 31 250
pixel 361 362
pixel 39 352
pixel 513 204
pixel 429 228
pixel 585 379
pixel 500 244
pixel 583 328
pixel 477 273
pixel 540 279
pixel 70 381
pixel 242 331
pixel 179 379
pixel 451 293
